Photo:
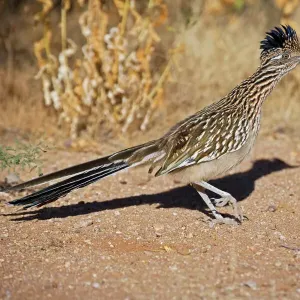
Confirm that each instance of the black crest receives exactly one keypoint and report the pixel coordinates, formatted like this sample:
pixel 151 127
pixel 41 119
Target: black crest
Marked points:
pixel 278 38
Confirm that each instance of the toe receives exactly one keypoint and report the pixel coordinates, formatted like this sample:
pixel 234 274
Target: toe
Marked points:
pixel 222 220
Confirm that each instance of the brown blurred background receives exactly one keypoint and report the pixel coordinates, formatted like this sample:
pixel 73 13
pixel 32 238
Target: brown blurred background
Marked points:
pixel 204 47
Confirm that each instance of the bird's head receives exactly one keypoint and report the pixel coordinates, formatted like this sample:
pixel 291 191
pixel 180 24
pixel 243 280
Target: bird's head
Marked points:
pixel 280 49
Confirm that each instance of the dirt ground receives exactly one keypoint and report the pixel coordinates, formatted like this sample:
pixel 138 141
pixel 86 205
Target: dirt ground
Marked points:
pixel 128 237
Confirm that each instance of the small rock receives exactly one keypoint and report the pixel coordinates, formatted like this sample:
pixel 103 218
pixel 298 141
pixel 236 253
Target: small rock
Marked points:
pixel 189 235
pixel 173 268
pixel 158 228
pixel 117 213
pixel 280 235
pixel 12 178
pixel 251 284
pixel 271 208
pixel 278 264
pixel 96 285
pixel 84 223
pixel 67 264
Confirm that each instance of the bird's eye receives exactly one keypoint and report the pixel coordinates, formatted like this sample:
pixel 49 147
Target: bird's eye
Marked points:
pixel 285 56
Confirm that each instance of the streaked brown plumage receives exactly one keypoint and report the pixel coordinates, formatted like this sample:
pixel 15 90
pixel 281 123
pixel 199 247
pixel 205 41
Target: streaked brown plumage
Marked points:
pixel 201 147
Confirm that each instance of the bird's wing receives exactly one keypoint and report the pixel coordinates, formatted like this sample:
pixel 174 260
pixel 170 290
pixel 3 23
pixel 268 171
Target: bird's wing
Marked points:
pixel 203 138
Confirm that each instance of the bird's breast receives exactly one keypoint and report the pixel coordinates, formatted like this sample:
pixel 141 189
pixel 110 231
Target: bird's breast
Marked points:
pixel 215 168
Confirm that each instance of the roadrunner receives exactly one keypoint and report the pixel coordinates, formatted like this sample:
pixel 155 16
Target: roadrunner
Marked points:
pixel 202 147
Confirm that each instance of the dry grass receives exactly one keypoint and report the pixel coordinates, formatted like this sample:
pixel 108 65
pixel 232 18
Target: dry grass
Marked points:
pixel 221 49
pixel 22 110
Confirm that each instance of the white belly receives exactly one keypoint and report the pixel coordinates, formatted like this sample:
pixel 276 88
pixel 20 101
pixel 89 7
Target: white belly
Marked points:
pixel 215 168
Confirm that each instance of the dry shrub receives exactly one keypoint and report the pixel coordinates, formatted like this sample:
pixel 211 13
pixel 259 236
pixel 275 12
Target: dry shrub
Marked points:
pixel 112 81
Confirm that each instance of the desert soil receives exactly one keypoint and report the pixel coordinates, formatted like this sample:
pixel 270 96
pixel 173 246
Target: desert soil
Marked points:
pixel 129 237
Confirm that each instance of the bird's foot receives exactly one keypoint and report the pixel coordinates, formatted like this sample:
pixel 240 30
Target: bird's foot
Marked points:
pixel 228 199
pixel 222 220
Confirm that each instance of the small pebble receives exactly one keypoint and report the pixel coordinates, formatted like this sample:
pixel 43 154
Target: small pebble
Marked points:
pixel 96 285
pixel 251 284
pixel 84 223
pixel 12 178
pixel 280 235
pixel 271 208
pixel 158 227
pixel 173 268
pixel 278 264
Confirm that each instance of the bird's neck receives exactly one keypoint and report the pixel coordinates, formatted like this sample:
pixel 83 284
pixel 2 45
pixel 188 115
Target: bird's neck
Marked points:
pixel 262 82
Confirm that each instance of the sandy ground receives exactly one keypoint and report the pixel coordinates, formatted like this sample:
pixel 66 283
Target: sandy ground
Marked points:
pixel 129 237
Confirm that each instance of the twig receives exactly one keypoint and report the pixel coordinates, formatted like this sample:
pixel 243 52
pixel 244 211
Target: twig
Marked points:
pixel 290 248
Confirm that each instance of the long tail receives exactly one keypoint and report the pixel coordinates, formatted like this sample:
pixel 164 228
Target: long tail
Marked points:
pixel 84 174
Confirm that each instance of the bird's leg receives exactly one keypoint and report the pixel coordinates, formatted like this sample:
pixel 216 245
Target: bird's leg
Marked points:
pixel 225 199
pixel 218 217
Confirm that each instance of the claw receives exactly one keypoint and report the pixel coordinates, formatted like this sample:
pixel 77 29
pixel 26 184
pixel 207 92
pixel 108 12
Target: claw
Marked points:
pixel 228 199
pixel 220 202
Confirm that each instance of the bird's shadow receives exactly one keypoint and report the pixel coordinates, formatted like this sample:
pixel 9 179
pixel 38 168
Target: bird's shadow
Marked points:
pixel 240 185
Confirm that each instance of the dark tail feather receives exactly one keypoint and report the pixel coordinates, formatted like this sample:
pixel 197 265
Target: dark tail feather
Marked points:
pixel 62 188
pixel 60 174
pixel 82 175
pixel 124 154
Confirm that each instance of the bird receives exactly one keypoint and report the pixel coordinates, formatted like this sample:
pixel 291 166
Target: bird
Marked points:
pixel 200 148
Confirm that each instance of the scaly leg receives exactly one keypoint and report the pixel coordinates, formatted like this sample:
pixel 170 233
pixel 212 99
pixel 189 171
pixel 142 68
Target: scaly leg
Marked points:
pixel 218 217
pixel 225 199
